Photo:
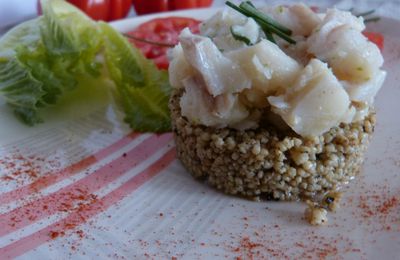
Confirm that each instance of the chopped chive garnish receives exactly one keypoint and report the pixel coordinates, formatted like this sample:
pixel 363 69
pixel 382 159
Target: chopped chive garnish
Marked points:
pixel 372 19
pixel 269 35
pixel 233 6
pixel 250 3
pixel 240 37
pixel 267 27
pixel 148 41
pixel 366 13
pixel 260 15
pixel 267 24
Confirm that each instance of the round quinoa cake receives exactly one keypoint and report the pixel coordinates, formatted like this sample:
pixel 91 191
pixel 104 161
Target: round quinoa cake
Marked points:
pixel 267 163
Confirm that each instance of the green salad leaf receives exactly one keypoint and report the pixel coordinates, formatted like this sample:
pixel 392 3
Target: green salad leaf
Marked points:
pixel 27 34
pixel 66 30
pixel 143 89
pixel 43 59
pixel 21 90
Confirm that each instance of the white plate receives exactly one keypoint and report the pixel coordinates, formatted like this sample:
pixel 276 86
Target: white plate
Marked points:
pixel 148 206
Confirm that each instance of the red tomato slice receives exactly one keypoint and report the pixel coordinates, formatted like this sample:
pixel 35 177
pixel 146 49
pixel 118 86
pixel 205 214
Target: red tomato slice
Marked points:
pixel 162 62
pixel 106 10
pixel 150 6
pixel 187 4
pixel 153 6
pixel 376 38
pixel 161 30
pixel 119 9
pixel 97 10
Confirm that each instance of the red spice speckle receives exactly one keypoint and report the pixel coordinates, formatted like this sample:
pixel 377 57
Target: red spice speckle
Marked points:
pixel 53 234
pixel 378 209
pixel 21 168
pixel 56 234
pixel 376 204
pixel 80 233
pixel 388 204
pixel 248 248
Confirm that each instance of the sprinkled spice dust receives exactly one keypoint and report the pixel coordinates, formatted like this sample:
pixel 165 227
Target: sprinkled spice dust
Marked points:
pixel 376 203
pixel 79 202
pixel 21 168
pixel 79 205
pixel 250 239
pixel 254 250
pixel 265 243
pixel 255 242
pixel 378 208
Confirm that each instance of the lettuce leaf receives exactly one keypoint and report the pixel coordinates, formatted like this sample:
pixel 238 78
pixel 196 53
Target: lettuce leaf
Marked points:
pixel 143 89
pixel 26 34
pixel 21 90
pixel 69 34
pixel 44 59
pixel 66 30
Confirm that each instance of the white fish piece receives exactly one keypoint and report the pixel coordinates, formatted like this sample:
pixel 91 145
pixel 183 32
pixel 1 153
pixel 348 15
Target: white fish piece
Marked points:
pixel 340 17
pixel 350 54
pixel 220 23
pixel 196 104
pixel 333 19
pixel 253 98
pixel 298 51
pixel 218 29
pixel 366 91
pixel 179 68
pixel 220 74
pixel 250 122
pixel 298 17
pixel 315 103
pixel 249 30
pixel 227 43
pixel 348 117
pixel 269 68
pixel 362 110
pixel 353 57
pixel 202 108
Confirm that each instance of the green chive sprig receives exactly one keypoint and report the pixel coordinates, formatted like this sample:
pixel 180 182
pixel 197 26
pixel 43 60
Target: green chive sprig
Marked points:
pixel 269 26
pixel 372 19
pixel 365 16
pixel 169 45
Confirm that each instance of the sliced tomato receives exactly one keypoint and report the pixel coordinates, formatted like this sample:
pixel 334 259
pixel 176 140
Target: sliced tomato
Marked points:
pixel 150 6
pixel 153 6
pixel 164 31
pixel 376 38
pixel 118 9
pixel 97 10
pixel 106 10
pixel 187 4
pixel 162 62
